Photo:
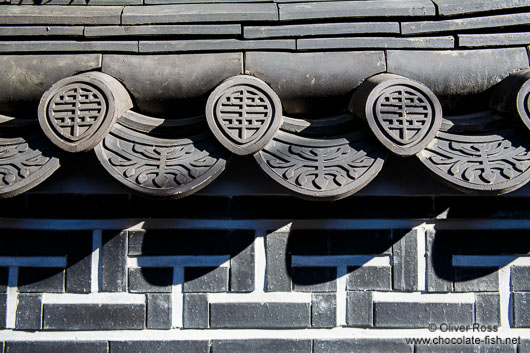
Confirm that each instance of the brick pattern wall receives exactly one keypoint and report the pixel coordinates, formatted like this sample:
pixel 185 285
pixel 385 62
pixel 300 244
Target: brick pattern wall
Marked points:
pixel 240 284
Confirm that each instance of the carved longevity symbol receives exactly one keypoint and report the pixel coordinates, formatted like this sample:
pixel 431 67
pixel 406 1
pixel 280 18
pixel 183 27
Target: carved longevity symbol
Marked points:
pixel 76 109
pixel 326 169
pixel 77 112
pixel 160 166
pixel 403 114
pixel 483 163
pixel 243 113
pixel 22 167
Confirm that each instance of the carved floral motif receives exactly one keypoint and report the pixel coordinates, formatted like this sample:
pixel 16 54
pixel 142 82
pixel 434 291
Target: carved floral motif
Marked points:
pixel 482 163
pixel 160 167
pixel 23 166
pixel 329 169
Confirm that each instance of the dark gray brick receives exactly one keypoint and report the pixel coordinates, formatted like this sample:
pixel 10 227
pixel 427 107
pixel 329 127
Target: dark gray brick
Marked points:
pixel 463 348
pixel 504 347
pixel 60 15
pixel 135 243
pixel 23 31
pixel 524 347
pixel 416 315
pixel 4 274
pixel 29 312
pixel 3 309
pixel 445 348
pixel 196 311
pixel 481 242
pixel 94 316
pixel 361 346
pixel 405 259
pixel 439 262
pixel 159 346
pixel 323 310
pixel 78 2
pixel 159 311
pixel 277 271
pixel 314 279
pixel 493 40
pixel 150 280
pixel 260 315
pixel 458 72
pixel 242 261
pixel 56 346
pixel 319 29
pixel 114 262
pixel 465 23
pixel 375 42
pixel 360 309
pixel 521 314
pixel 170 46
pixel 262 346
pixel 157 2
pixel 79 265
pixel 482 279
pixel 360 242
pixel 484 207
pixel 384 207
pixel 40 279
pixel 205 279
pixel 453 7
pixel 185 13
pixel 520 278
pixel 176 242
pixel 487 311
pixel 355 9
pixel 69 46
pixel 162 30
pixel 370 278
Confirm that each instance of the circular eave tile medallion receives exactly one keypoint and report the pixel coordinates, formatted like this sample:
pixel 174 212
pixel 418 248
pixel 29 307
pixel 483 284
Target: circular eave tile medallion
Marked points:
pixel 523 103
pixel 77 112
pixel 322 169
pixel 489 164
pixel 404 114
pixel 244 113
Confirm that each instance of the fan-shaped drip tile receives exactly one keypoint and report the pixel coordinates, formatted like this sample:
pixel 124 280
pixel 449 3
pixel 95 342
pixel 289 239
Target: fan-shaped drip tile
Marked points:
pixel 25 162
pixel 161 167
pixel 488 164
pixel 322 169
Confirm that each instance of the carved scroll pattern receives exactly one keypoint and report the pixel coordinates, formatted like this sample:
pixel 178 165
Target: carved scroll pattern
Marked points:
pixel 157 167
pixel 318 169
pixel 19 162
pixel 480 163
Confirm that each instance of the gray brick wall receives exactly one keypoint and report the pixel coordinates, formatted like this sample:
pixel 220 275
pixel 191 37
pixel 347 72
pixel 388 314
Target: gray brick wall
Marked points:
pixel 309 286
